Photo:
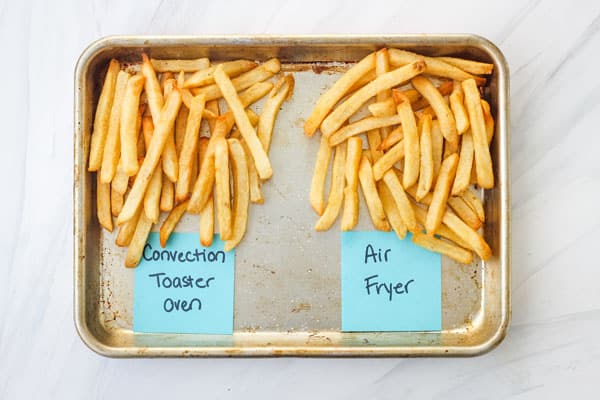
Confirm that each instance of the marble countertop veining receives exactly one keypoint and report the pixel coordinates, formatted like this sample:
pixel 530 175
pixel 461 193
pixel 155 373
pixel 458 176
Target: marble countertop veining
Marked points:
pixel 552 349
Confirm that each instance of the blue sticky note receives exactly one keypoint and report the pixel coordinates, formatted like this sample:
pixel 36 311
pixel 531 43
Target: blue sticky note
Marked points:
pixel 184 288
pixel 389 284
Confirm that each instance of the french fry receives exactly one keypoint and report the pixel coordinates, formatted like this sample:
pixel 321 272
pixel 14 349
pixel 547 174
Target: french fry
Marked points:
pixel 261 160
pixel 366 78
pixel 169 157
pixel 437 102
pixel 169 224
pixel 330 98
pixel 116 202
pixel 241 193
pixel 371 195
pixel 374 136
pixel 437 148
pixel 458 108
pixel 255 93
pixel 102 117
pixel 391 210
pixel 213 107
pixel 353 159
pixel 489 120
pixel 465 164
pixel 394 137
pixel 472 67
pixel 440 194
pixel 386 81
pixel 153 192
pixel 175 65
pixel 425 200
pixel 445 88
pixel 255 192
pixel 383 108
pixel 138 241
pixel 473 201
pixel 127 230
pixel 120 181
pixel 470 236
pixel 207 214
pixel 128 124
pixel 222 188
pixel 426 163
pixel 464 212
pixel 451 148
pixel 361 126
pixel 483 160
pixel 439 246
pixel 406 212
pixel 317 186
pixel 336 192
pixel 152 87
pixel 443 230
pixel 112 154
pixel 261 73
pixel 103 204
pixel 159 138
pixel 388 160
pixel 188 150
pixel 411 144
pixel 206 76
pixel 282 91
pixel 167 195
pixel 180 128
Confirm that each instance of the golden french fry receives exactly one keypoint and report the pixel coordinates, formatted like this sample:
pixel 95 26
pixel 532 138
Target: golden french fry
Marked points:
pixel 437 102
pixel 437 148
pixel 138 241
pixel 458 108
pixel 180 65
pixel 282 91
pixel 331 97
pixel 391 210
pixel 180 79
pixel 464 212
pixel 353 159
pixel 439 246
pixel 426 164
pixel 112 145
pixel 443 230
pixel 213 107
pixel 388 160
pixel 489 120
pixel 383 108
pixel 255 192
pixel 167 194
pixel 261 73
pixel 153 88
pixel 394 137
pixel 465 164
pixel 205 76
pixel 120 181
pixel 161 131
pixel 375 136
pixel 374 141
pixel 483 160
pixel 180 128
pixel 411 144
pixel 361 126
pixel 473 201
pixel 261 160
pixel 336 191
pixel 102 117
pixel 366 78
pixel 241 193
pixel 152 196
pixel 255 93
pixel 386 81
pixel 222 188
pixel 451 148
pixel 169 157
pixel 128 124
pixel 169 224
pixel 472 67
pixel 469 235
pixel 406 212
pixel 116 202
pixel 317 186
pixel 103 204
pixel 425 200
pixel 189 148
pixel 440 194
pixel 372 199
pixel 207 213
pixel 127 230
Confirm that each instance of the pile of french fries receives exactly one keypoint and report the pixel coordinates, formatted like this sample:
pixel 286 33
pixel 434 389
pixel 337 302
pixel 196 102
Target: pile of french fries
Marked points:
pixel 149 156
pixel 428 136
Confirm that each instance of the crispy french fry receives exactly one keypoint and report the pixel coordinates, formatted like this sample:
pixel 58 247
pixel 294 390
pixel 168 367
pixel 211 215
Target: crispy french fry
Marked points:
pixel 383 108
pixel 169 157
pixel 437 102
pixel 353 159
pixel 169 224
pixel 473 201
pixel 317 186
pixel 138 241
pixel 489 120
pixel 443 230
pixel 465 164
pixel 483 160
pixel 128 124
pixel 127 230
pixel 372 199
pixel 439 246
pixel 120 180
pixel 261 73
pixel 112 145
pixel 440 194
pixel 391 210
pixel 458 108
pixel 207 214
pixel 189 148
pixel 374 141
pixel 330 98
pixel 445 88
pixel 386 81
pixel 161 131
pixel 222 188
pixel 241 193
pixel 255 93
pixel 411 144
pixel 175 65
pixel 167 194
pixel 153 192
pixel 116 202
pixel 213 107
pixel 388 160
pixel 282 91
pixel 103 204
pixel 361 126
pixel 336 192
pixel 394 137
pixel 406 212
pixel 425 200
pixel 366 78
pixel 152 87
pixel 261 160
pixel 426 164
pixel 255 192
pixel 375 136
pixel 102 117
pixel 472 67
pixel 470 236
pixel 464 212
pixel 437 148
pixel 180 128
pixel 205 76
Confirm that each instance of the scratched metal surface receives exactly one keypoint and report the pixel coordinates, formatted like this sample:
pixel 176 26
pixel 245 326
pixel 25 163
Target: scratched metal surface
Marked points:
pixel 287 286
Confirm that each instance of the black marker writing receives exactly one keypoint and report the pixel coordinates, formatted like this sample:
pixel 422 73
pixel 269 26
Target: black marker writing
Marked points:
pixel 374 287
pixel 375 256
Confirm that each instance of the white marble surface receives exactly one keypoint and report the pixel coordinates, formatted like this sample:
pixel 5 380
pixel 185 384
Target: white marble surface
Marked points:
pixel 552 348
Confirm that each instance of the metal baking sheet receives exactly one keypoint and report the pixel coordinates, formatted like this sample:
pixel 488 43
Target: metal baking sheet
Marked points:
pixel 287 279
